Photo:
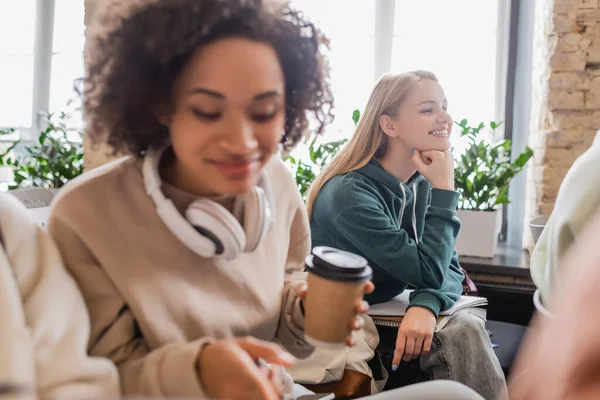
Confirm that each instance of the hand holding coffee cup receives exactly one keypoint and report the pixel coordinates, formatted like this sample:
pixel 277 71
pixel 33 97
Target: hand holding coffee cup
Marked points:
pixel 361 307
pixel 333 301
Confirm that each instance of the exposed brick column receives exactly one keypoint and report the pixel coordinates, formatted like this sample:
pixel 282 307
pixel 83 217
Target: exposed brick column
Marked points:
pixel 565 112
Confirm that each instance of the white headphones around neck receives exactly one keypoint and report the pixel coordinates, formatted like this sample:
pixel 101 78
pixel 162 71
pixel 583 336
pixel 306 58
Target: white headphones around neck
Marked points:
pixel 208 228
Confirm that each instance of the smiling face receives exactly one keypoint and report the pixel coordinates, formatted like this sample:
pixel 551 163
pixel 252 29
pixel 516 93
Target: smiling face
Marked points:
pixel 227 117
pixel 422 121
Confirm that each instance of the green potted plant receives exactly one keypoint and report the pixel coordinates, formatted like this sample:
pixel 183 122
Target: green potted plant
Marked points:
pixel 50 162
pixel 482 174
pixel 306 169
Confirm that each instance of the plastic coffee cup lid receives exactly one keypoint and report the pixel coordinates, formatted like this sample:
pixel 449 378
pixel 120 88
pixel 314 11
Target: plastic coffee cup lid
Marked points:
pixel 339 265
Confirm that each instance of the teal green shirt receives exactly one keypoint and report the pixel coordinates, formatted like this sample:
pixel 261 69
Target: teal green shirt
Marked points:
pixel 407 232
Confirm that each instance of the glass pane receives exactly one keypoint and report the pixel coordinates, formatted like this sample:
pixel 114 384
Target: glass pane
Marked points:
pixel 69 28
pixel 66 69
pixel 17 27
pixel 351 55
pixel 16 87
pixel 67 59
pixel 436 35
pixel 17 31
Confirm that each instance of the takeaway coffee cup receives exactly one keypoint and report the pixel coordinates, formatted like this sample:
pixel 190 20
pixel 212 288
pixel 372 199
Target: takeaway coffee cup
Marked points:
pixel 336 281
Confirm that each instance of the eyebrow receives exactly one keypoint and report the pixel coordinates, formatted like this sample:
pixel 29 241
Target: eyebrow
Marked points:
pixel 207 92
pixel 266 95
pixel 432 102
pixel 221 96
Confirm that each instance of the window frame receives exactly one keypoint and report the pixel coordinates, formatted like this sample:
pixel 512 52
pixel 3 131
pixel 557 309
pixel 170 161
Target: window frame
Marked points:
pixel 518 113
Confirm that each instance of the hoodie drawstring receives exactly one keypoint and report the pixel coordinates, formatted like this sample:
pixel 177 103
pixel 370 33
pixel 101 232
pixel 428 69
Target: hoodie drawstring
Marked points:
pixel 414 210
pixel 403 204
pixel 414 215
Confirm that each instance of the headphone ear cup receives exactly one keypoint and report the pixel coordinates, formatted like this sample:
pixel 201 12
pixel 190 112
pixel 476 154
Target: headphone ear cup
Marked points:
pixel 218 225
pixel 257 217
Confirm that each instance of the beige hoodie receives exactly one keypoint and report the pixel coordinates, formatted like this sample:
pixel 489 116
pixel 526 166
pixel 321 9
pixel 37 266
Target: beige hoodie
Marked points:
pixel 44 324
pixel 153 302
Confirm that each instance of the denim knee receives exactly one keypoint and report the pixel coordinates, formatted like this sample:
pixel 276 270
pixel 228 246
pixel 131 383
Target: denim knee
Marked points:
pixel 464 330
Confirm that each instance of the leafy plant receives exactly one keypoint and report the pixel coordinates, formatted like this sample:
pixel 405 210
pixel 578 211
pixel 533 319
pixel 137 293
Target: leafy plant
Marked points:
pixel 483 172
pixel 318 155
pixel 5 152
pixel 50 162
pixel 6 155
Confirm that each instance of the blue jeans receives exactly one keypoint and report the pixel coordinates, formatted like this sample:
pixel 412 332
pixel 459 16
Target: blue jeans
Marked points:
pixel 461 351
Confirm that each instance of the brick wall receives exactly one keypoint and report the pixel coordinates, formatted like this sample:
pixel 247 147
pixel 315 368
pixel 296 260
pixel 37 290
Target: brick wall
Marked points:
pixel 565 112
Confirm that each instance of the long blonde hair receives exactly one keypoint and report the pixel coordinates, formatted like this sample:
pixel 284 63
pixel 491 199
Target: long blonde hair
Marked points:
pixel 369 140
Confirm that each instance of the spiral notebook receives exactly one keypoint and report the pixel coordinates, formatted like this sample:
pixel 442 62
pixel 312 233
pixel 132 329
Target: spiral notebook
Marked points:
pixel 391 312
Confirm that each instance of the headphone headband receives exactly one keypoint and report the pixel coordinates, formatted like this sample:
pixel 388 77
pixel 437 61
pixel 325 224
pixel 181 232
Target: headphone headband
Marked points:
pixel 208 229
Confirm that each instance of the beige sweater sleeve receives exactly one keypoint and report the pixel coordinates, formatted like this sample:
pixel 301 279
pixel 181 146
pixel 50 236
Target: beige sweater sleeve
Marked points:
pixel 577 201
pixel 561 356
pixel 290 333
pixel 49 317
pixel 168 371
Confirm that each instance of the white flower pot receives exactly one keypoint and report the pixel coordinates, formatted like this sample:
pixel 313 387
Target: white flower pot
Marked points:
pixel 478 235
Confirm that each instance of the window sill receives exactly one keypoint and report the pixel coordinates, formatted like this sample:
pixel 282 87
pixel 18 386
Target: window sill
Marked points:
pixel 11 138
pixel 509 268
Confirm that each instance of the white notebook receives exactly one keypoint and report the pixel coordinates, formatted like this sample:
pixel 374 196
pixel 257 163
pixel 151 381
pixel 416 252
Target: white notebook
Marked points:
pixel 397 306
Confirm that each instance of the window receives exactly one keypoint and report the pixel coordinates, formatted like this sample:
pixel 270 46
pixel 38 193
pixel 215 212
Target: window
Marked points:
pixel 41 57
pixel 67 58
pixel 16 62
pixel 350 30
pixel 425 34
pixel 437 36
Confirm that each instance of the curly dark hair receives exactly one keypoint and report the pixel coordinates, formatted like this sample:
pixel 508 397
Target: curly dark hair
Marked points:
pixel 136 49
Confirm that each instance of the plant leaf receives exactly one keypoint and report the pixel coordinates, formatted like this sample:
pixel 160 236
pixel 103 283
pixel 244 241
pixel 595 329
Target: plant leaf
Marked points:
pixel 355 116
